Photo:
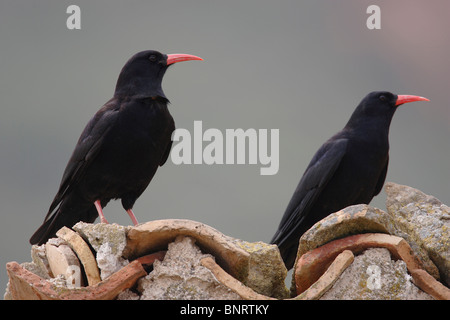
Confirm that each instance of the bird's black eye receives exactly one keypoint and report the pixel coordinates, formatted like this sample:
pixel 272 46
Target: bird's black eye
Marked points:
pixel 152 58
pixel 383 98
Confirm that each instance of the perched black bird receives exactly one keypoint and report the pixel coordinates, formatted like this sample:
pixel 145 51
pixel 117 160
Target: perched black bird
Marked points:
pixel 349 168
pixel 120 149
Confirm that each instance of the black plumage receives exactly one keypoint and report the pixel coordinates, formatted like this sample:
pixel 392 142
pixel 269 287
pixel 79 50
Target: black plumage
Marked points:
pixel 120 149
pixel 350 168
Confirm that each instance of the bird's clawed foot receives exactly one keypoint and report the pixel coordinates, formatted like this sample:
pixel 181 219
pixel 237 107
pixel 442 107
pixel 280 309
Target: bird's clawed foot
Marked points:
pixel 98 206
pixel 132 217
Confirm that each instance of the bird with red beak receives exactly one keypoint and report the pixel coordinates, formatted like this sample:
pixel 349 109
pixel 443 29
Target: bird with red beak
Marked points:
pixel 349 168
pixel 401 99
pixel 120 148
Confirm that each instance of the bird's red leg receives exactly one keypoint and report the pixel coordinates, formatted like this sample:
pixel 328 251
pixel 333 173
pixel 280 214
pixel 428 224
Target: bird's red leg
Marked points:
pixel 132 217
pixel 100 212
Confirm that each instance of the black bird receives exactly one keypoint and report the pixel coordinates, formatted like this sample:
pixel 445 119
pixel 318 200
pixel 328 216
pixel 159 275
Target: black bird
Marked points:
pixel 349 168
pixel 120 148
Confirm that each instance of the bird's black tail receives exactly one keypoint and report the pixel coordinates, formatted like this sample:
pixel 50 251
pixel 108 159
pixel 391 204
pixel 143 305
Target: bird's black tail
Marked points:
pixel 63 217
pixel 288 254
pixel 46 231
pixel 288 247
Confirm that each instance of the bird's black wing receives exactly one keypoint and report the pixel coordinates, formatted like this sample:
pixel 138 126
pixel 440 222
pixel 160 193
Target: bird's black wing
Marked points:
pixel 169 145
pixel 86 149
pixel 320 170
pixel 382 178
pixel 166 154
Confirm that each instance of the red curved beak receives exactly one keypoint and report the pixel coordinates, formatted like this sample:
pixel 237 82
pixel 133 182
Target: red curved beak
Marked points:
pixel 178 57
pixel 401 99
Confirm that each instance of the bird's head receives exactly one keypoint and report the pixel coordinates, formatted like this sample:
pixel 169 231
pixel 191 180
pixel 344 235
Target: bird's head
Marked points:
pixel 143 73
pixel 381 105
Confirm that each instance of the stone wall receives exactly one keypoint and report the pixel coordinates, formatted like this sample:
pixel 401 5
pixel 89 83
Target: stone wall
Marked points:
pixel 360 252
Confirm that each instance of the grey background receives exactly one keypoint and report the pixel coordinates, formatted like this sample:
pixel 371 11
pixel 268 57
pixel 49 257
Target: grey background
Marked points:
pixel 297 66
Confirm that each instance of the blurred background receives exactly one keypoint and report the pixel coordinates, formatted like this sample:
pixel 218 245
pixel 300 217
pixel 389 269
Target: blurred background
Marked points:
pixel 297 66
